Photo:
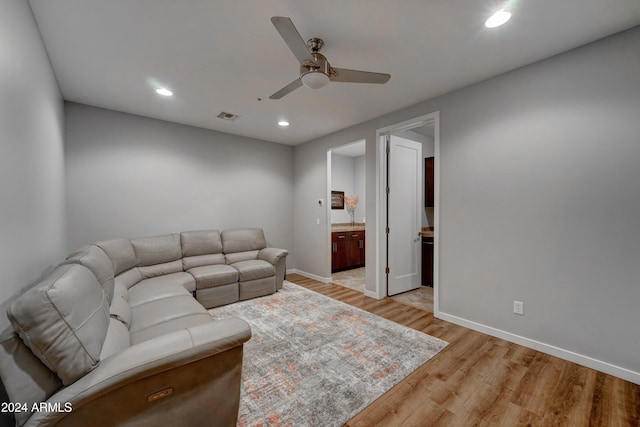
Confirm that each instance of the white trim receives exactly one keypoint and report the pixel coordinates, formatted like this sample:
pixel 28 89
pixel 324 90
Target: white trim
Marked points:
pixel 328 227
pixel 436 214
pixel 580 359
pixel 371 294
pixel 381 214
pixel 309 275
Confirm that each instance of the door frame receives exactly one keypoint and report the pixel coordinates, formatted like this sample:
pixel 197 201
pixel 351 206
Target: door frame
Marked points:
pixel 381 204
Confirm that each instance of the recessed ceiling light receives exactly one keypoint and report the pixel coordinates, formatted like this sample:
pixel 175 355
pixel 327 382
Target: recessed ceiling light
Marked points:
pixel 283 123
pixel 164 91
pixel 498 18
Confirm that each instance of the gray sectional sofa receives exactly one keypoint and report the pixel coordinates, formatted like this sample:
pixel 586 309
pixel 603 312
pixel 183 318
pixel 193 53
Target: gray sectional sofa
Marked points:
pixel 119 333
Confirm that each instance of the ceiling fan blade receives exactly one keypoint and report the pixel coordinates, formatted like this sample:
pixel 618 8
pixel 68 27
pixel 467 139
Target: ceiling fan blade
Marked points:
pixel 355 76
pixel 287 89
pixel 292 38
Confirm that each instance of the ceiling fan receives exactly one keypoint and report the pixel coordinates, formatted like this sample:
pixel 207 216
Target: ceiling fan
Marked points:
pixel 315 70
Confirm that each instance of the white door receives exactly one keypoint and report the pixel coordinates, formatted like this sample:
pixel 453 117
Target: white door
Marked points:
pixel 404 215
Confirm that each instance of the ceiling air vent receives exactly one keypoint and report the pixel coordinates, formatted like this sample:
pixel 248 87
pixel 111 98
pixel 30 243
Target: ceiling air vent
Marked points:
pixel 227 116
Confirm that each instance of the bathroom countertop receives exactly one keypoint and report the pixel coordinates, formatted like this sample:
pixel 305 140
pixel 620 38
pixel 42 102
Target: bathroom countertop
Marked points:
pixel 347 227
pixel 427 232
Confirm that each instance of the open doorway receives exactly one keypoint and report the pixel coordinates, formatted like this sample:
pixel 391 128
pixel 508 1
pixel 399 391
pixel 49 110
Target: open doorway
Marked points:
pixel 347 192
pixel 405 222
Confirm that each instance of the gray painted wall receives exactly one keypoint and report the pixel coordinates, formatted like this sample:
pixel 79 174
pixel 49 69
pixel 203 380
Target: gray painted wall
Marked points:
pixel 31 155
pixel 348 175
pixel 342 179
pixel 133 176
pixel 539 201
pixel 360 187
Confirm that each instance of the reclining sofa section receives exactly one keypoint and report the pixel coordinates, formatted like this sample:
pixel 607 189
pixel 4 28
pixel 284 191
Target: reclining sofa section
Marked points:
pixel 113 336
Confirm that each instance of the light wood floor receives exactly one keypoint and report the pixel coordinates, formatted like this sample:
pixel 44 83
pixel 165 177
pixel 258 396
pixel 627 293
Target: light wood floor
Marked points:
pixel 479 380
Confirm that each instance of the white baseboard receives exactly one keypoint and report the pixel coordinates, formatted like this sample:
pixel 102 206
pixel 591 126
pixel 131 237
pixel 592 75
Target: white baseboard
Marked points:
pixel 309 275
pixel 372 294
pixel 580 359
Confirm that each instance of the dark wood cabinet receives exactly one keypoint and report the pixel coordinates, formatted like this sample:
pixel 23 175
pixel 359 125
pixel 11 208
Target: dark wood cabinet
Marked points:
pixel 347 250
pixel 427 261
pixel 429 201
pixel 338 251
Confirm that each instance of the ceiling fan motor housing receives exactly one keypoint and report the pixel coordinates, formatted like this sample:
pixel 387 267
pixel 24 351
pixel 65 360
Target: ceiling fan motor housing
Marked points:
pixel 315 75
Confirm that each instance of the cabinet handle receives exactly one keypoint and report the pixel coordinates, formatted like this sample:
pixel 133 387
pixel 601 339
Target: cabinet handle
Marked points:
pixel 360 244
pixel 427 243
pixel 341 237
pixel 354 235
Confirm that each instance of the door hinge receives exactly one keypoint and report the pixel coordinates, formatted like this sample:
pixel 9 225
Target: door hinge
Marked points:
pixel 386 270
pixel 387 230
pixel 388 190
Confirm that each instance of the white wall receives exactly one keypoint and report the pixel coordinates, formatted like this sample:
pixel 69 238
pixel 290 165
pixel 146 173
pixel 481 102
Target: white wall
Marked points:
pixel 539 202
pixel 342 179
pixel 31 155
pixel 360 187
pixel 133 176
pixel 348 175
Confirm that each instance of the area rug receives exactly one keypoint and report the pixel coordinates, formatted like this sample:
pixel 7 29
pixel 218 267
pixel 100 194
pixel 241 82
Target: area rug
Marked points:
pixel 315 361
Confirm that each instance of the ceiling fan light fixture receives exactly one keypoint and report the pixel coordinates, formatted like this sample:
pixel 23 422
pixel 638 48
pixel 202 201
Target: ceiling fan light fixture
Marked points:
pixel 314 79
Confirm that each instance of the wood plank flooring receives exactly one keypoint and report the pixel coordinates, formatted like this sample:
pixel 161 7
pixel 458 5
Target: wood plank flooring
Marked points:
pixel 479 380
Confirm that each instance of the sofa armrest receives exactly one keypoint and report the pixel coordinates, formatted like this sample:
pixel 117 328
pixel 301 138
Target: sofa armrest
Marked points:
pixel 272 255
pixel 130 369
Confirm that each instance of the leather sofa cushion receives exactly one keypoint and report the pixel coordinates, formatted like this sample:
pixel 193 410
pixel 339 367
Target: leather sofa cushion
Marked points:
pixel 162 328
pixel 157 249
pixel 242 240
pixel 220 295
pixel 96 260
pixel 241 256
pixel 26 378
pixel 209 276
pixel 162 316
pixel 254 269
pixel 64 321
pixel 200 242
pixel 121 254
pixel 127 279
pixel 156 288
pixel 117 339
pixel 162 269
pixel 200 260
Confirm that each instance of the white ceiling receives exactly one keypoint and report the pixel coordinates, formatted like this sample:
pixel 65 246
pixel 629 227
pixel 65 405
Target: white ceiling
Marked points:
pixel 223 55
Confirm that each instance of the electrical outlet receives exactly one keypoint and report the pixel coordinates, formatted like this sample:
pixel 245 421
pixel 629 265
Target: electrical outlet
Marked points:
pixel 518 307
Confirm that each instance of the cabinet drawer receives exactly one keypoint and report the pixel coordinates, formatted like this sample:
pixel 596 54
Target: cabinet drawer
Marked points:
pixel 337 236
pixel 356 235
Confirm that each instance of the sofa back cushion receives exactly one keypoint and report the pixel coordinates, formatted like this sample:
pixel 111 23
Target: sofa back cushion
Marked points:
pixel 200 242
pixel 201 247
pixel 64 321
pixel 120 253
pixel 158 255
pixel 242 244
pixel 96 260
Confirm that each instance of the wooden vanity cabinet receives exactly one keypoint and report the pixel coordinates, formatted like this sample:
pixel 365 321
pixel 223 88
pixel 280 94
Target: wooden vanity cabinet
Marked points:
pixel 347 250
pixel 428 183
pixel 427 261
